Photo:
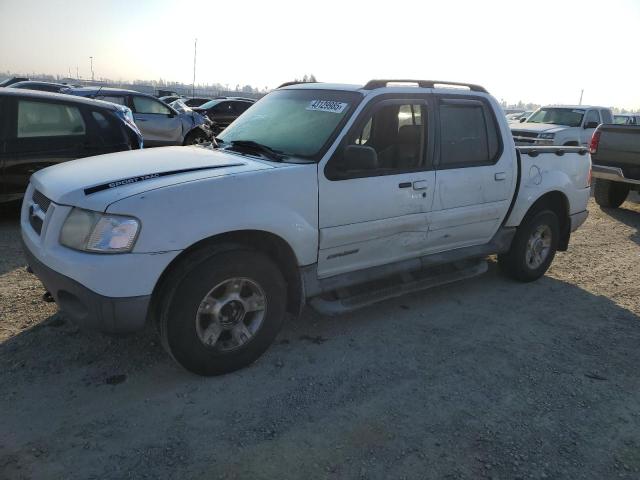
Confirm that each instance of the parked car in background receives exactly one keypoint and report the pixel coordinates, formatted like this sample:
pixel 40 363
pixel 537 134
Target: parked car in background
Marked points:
pixel 516 117
pixel 560 125
pixel 10 81
pixel 333 195
pixel 615 153
pixel 170 98
pixel 41 86
pixel 627 119
pixel 224 111
pixel 41 129
pixel 160 124
pixel 196 101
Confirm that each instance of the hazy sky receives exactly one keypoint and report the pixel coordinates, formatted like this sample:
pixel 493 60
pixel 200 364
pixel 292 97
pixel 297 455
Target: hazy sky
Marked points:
pixel 534 50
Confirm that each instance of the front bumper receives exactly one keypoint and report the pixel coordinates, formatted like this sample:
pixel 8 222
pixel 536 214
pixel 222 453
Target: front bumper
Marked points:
pixel 88 309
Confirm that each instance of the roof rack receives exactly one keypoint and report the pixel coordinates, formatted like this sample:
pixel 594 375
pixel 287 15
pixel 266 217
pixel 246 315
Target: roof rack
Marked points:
pixel 381 83
pixel 286 84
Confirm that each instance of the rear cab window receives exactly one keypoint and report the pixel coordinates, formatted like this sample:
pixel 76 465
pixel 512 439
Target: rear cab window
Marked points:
pixel 469 134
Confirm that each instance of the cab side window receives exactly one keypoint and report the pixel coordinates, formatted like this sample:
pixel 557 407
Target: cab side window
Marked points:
pixel 468 134
pixel 42 119
pixel 592 116
pixel 393 136
pixel 149 105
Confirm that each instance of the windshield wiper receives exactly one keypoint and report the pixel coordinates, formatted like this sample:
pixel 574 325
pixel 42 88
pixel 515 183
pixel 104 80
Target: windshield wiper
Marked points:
pixel 268 152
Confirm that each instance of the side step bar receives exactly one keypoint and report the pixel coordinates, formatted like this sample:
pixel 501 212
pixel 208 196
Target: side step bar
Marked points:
pixel 365 295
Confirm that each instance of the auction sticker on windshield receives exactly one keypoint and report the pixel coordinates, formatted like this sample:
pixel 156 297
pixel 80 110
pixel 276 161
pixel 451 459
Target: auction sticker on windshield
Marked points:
pixel 327 106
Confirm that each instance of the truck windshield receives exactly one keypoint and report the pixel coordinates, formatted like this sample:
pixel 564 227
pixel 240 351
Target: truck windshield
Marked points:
pixel 571 117
pixel 298 123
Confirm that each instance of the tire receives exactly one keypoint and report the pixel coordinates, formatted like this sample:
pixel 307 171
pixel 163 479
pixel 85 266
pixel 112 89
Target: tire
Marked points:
pixel 196 137
pixel 229 282
pixel 610 194
pixel 518 263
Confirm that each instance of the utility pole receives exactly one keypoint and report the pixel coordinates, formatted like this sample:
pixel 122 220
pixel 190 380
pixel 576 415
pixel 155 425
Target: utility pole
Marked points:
pixel 193 88
pixel 581 93
pixel 91 59
pixel 77 74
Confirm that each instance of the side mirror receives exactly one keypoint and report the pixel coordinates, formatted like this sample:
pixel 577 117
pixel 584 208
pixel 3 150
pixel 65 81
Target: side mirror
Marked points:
pixel 523 119
pixel 359 157
pixel 590 125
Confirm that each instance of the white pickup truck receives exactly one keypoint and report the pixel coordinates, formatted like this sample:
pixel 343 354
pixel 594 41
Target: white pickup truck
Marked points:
pixel 569 125
pixel 330 195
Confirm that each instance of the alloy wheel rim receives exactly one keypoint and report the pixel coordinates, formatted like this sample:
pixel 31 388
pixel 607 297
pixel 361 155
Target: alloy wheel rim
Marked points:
pixel 538 246
pixel 230 314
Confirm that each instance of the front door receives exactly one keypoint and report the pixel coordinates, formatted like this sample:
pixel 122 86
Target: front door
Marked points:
pixel 591 118
pixel 41 133
pixel 158 123
pixel 378 215
pixel 475 175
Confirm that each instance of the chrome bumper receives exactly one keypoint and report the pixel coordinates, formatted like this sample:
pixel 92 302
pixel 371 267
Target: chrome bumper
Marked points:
pixel 611 173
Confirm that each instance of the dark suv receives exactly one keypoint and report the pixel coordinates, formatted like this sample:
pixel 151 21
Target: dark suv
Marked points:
pixel 223 111
pixel 39 129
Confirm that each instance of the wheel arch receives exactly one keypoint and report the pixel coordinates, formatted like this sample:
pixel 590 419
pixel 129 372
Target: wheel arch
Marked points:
pixel 557 202
pixel 274 246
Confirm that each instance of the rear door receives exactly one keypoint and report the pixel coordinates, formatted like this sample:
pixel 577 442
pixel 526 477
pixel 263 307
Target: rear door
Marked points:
pixel 475 175
pixel 379 215
pixel 41 133
pixel 159 124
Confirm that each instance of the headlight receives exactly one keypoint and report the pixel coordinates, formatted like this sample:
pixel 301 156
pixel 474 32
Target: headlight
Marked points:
pixel 99 232
pixel 547 136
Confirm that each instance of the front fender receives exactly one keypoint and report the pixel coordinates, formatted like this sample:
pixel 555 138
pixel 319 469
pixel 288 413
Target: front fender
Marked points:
pixel 282 201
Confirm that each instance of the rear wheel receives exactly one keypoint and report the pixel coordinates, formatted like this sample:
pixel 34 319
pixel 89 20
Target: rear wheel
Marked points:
pixel 610 194
pixel 534 247
pixel 223 311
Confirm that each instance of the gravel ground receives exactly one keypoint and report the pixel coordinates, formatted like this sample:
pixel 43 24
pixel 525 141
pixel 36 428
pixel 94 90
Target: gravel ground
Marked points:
pixel 486 378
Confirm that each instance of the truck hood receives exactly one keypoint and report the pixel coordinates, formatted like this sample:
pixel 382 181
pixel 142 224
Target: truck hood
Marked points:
pixel 538 127
pixel 96 182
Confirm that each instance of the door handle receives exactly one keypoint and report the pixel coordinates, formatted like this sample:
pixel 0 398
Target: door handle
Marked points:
pixel 420 185
pixel 500 176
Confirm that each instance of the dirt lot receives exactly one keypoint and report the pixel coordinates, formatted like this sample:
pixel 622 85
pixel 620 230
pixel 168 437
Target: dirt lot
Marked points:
pixel 486 378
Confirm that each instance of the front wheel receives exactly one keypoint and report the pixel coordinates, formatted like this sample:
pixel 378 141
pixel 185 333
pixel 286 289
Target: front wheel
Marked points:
pixel 224 310
pixel 196 138
pixel 533 249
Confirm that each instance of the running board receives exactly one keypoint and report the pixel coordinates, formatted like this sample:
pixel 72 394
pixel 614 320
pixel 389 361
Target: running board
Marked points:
pixel 353 298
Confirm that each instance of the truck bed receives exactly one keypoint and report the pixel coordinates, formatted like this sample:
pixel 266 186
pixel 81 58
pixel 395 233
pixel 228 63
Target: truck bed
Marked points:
pixel 618 152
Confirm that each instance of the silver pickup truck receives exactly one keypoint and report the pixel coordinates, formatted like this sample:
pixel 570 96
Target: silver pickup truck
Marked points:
pixel 615 152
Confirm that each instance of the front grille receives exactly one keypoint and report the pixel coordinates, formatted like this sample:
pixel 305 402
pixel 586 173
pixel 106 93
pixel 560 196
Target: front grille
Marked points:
pixel 523 133
pixel 40 200
pixel 37 211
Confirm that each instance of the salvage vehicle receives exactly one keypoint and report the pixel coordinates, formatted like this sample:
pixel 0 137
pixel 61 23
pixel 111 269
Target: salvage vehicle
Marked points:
pixel 160 124
pixel 560 125
pixel 627 119
pixel 336 196
pixel 41 86
pixel 222 112
pixel 39 129
pixel 615 152
pixel 10 81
